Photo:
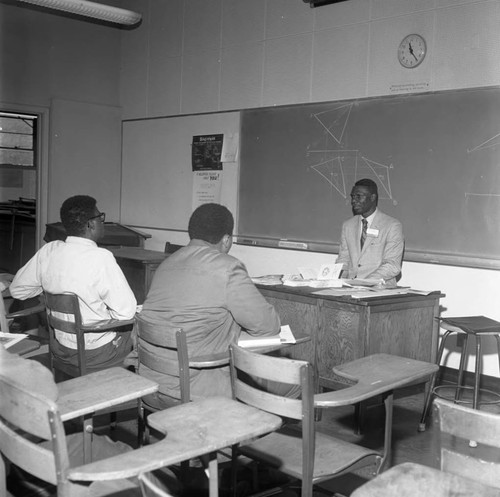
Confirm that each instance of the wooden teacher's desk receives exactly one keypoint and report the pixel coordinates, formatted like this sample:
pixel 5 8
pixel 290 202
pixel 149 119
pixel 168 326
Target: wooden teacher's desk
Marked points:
pixel 343 328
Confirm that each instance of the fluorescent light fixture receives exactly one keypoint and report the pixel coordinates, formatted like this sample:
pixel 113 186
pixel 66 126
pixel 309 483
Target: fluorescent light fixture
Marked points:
pixel 320 3
pixel 91 9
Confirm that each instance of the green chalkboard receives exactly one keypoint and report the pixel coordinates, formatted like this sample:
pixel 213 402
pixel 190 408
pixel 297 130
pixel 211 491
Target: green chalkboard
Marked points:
pixel 434 156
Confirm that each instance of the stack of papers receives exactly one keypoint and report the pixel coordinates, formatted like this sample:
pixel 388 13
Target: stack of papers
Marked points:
pixel 285 336
pixel 380 293
pixel 9 339
pixel 270 279
pixel 297 280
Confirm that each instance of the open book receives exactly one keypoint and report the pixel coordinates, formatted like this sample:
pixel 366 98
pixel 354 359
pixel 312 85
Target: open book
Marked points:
pixel 326 277
pixel 9 339
pixel 284 336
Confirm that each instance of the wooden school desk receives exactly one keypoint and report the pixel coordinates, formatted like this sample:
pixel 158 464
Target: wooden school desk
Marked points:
pixel 343 328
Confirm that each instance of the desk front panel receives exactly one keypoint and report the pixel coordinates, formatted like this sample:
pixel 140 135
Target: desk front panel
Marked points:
pixel 344 329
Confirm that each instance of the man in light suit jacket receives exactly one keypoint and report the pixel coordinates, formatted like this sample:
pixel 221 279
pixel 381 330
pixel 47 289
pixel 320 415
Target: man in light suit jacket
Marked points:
pixel 380 254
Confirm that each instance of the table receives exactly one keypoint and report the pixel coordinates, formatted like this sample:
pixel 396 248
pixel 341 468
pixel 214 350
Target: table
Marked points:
pixel 343 328
pixel 138 266
pixel 422 481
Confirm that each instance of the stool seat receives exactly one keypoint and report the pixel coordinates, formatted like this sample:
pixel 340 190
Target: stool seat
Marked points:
pixel 466 326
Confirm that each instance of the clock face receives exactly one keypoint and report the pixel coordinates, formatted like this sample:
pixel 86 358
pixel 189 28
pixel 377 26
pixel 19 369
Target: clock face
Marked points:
pixel 411 51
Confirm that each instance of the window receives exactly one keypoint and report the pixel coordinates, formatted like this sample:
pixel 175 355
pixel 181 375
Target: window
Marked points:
pixel 17 140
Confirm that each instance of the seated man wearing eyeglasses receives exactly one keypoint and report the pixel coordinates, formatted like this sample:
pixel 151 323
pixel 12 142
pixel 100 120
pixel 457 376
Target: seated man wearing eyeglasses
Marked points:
pixel 372 243
pixel 77 265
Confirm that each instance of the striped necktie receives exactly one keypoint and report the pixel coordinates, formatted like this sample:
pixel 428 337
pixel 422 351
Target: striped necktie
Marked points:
pixel 363 232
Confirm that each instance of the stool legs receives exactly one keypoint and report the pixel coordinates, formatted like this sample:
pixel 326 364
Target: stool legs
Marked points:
pixel 432 383
pixel 461 368
pixel 479 360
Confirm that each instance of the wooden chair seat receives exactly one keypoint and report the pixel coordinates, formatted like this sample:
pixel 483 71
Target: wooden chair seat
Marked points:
pixel 283 451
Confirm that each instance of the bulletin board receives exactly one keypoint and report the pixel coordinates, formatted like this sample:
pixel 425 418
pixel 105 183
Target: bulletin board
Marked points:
pixel 157 176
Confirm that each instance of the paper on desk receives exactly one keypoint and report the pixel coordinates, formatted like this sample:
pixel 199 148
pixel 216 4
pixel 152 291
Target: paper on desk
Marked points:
pixel 250 341
pixel 9 339
pixel 380 293
pixel 286 334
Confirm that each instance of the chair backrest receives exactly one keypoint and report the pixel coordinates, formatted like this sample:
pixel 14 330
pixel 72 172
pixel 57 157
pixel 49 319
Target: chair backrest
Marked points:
pixel 63 314
pixel 28 413
pixel 164 350
pixel 4 325
pixel 170 248
pixel 480 463
pixel 247 366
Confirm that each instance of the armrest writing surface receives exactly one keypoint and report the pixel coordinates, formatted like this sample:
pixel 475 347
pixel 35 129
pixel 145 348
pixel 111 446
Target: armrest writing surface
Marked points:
pixel 107 324
pixel 100 390
pixel 373 375
pixel 212 360
pixel 26 312
pixel 128 464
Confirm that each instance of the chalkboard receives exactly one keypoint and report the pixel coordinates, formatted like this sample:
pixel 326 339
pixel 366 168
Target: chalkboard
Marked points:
pixel 157 176
pixel 435 158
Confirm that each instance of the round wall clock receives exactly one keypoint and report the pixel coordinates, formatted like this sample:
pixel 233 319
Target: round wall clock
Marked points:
pixel 411 51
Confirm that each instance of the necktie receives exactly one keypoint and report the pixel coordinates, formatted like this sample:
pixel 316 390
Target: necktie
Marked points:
pixel 363 232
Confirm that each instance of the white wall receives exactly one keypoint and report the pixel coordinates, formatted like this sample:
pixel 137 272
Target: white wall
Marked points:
pixel 192 56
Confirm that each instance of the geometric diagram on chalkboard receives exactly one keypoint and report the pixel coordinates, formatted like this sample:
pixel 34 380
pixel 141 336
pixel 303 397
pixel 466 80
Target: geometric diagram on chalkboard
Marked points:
pixel 378 173
pixel 334 121
pixel 332 170
pixel 342 167
pixel 490 143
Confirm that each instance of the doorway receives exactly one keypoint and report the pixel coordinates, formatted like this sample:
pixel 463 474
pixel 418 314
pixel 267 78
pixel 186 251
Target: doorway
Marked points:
pixel 19 187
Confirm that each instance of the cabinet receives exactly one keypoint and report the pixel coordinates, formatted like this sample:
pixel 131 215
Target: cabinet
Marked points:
pixel 138 266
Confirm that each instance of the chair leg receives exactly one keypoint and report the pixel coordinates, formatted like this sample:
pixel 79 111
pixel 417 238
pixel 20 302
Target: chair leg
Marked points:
pixel 142 426
pixel 88 429
pixel 389 404
pixel 498 347
pixel 213 483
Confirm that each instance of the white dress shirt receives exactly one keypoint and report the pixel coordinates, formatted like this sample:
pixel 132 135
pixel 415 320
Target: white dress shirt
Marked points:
pixel 79 266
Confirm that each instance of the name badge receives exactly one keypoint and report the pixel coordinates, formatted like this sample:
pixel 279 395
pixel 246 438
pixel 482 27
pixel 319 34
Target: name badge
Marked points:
pixel 372 232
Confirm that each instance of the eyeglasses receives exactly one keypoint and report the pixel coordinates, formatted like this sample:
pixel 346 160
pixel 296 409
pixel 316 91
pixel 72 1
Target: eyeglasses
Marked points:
pixel 102 217
pixel 359 196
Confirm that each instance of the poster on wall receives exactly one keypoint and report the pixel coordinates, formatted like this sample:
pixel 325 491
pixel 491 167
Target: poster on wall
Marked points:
pixel 206 152
pixel 207 169
pixel 206 187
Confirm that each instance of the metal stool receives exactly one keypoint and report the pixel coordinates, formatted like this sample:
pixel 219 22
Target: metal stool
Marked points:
pixel 477 326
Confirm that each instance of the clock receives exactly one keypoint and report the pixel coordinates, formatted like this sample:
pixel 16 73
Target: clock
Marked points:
pixel 411 51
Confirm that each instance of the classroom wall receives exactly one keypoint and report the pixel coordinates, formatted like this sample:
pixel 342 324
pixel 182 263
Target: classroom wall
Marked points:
pixel 69 70
pixel 193 56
